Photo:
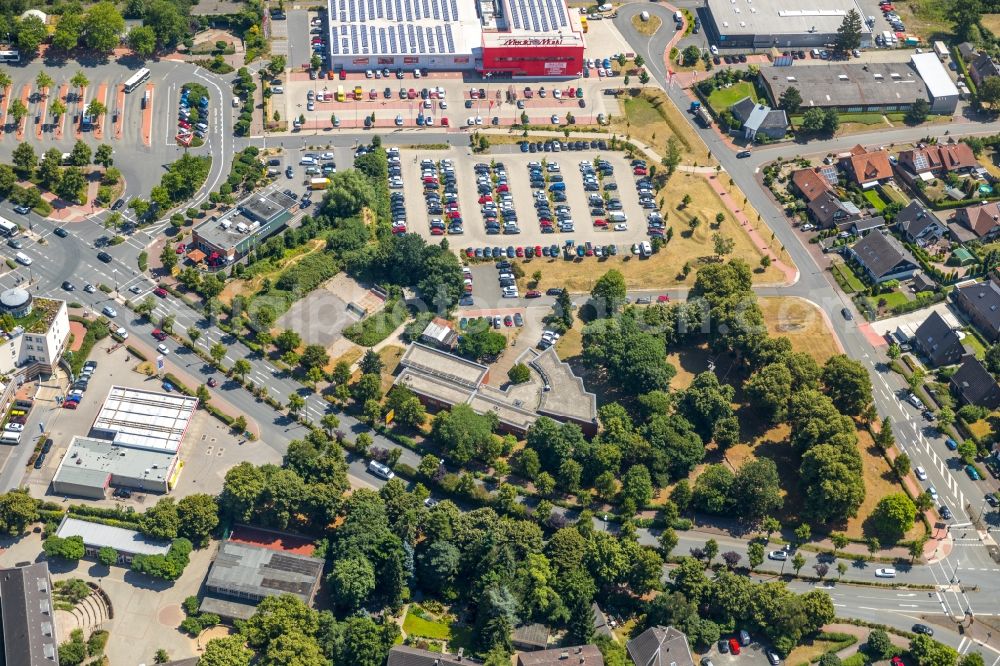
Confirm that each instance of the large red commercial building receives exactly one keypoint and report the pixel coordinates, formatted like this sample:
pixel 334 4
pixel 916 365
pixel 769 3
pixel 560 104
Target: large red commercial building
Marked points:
pixel 497 38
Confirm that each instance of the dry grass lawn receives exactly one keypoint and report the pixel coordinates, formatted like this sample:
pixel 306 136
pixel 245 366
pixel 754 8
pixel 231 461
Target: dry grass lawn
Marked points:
pixel 247 287
pixel 663 269
pixel 390 355
pixel 570 344
pixel 689 362
pixel 652 118
pixel 647 28
pixel 351 356
pixel 809 651
pixel 991 22
pixel 802 323
pixel 879 482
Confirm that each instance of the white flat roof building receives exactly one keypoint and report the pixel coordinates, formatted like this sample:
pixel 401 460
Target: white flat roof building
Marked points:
pixel 96 536
pixel 940 88
pixel 760 24
pixel 144 419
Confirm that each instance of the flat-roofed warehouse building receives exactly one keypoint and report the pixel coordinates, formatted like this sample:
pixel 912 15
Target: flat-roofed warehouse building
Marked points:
pixel 503 38
pixel 134 443
pixel 874 87
pixel 267 564
pixel 941 90
pixel 763 24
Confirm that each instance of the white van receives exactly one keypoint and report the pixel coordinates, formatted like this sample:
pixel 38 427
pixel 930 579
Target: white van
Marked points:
pixel 678 17
pixel 10 437
pixel 380 470
pixel 617 216
pixel 23 259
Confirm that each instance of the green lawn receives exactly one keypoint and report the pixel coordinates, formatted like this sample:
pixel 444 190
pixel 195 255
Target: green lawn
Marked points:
pixel 846 278
pixel 418 626
pixel 892 299
pixel 875 200
pixel 859 118
pixel 977 346
pixel 723 98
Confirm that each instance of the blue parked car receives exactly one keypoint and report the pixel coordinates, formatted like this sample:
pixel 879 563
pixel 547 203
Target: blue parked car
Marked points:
pixel 951 444
pixel 524 146
pixel 607 63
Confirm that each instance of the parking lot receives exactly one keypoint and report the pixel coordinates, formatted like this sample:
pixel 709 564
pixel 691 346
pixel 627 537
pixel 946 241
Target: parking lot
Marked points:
pixel 754 654
pixel 522 198
pixel 207 451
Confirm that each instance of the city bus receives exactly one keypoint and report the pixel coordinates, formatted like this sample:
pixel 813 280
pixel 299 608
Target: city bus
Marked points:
pixel 136 79
pixel 10 56
pixel 7 228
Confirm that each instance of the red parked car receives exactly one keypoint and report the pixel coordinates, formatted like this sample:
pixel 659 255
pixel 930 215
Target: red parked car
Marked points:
pixel 161 292
pixel 600 222
pixel 639 171
pixel 519 251
pixel 734 646
pixel 533 293
pixel 159 335
pixel 662 298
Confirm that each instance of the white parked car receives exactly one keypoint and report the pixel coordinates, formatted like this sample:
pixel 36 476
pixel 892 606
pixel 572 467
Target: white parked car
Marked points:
pixel 921 473
pixel 932 491
pixel 14 427
pixel 162 348
pixel 885 573
pixel 714 49
pixel 779 555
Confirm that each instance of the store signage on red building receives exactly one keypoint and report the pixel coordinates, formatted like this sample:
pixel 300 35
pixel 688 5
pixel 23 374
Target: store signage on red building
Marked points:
pixel 533 41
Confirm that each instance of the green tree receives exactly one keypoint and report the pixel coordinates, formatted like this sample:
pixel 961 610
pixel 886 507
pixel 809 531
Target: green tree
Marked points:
pixel 840 541
pixel 812 120
pixel 798 561
pixel 31 32
pixel 988 92
pixel 879 646
pixel 107 556
pixel 218 352
pixel 103 155
pixel 161 521
pixel 43 81
pixel 756 490
pixel 482 344
pixel 371 363
pixel 227 651
pixel 928 652
pixel 966 14
pixel 79 80
pixel 24 159
pixel 57 108
pixel 848 384
pixel 466 435
pixel 17 110
pixel 199 516
pixel 17 511
pixel 295 403
pixel 849 33
pixel 893 516
pixel 351 581
pixel 103 26
pixel 755 554
pixel 791 99
pixel 519 373
pixel 919 112
pixel 314 356
pixel 80 155
pixel 609 291
pixel 691 55
pixel 96 108
pixel 142 40
pixel 67 33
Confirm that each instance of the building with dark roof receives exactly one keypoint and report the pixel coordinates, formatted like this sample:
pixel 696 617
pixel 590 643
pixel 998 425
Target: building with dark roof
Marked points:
pixel 601 626
pixel 534 636
pixel 883 257
pixel 406 655
pixel 580 655
pixel 848 87
pixel 867 168
pixel 867 224
pixel 938 341
pixel 660 646
pixel 919 225
pixel 228 238
pixel 982 219
pixel 243 574
pixel 921 282
pixel 29 637
pixel 812 183
pixel 828 211
pixel 973 384
pixel 759 119
pixel 983 66
pixel 980 301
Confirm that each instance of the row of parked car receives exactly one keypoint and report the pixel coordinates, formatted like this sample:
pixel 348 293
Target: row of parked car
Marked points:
pixel 551 192
pixel 557 146
pixel 435 177
pixel 185 128
pixel 79 387
pixel 495 199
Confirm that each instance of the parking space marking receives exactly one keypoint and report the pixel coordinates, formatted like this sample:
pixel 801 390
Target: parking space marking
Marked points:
pixel 81 108
pixel 25 96
pixel 63 91
pixel 44 102
pixel 147 117
pixel 102 96
pixel 120 109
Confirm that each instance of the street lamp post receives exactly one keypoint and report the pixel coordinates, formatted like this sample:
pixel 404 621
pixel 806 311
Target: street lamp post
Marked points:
pixel 114 272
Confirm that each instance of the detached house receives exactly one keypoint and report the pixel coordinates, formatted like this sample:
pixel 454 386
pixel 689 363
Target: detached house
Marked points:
pixel 760 119
pixel 865 168
pixel 813 183
pixel 981 303
pixel 982 219
pixel 938 341
pixel 919 225
pixel 938 160
pixel 883 257
pixel 660 646
pixel 828 211
pixel 983 66
pixel 974 385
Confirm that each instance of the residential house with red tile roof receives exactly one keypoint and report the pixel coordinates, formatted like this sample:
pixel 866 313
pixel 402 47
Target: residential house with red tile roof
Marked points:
pixel 810 183
pixel 867 168
pixel 982 219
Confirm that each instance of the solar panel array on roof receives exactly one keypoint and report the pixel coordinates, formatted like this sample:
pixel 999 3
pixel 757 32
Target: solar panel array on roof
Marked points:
pixel 540 16
pixel 405 27
pixel 920 160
